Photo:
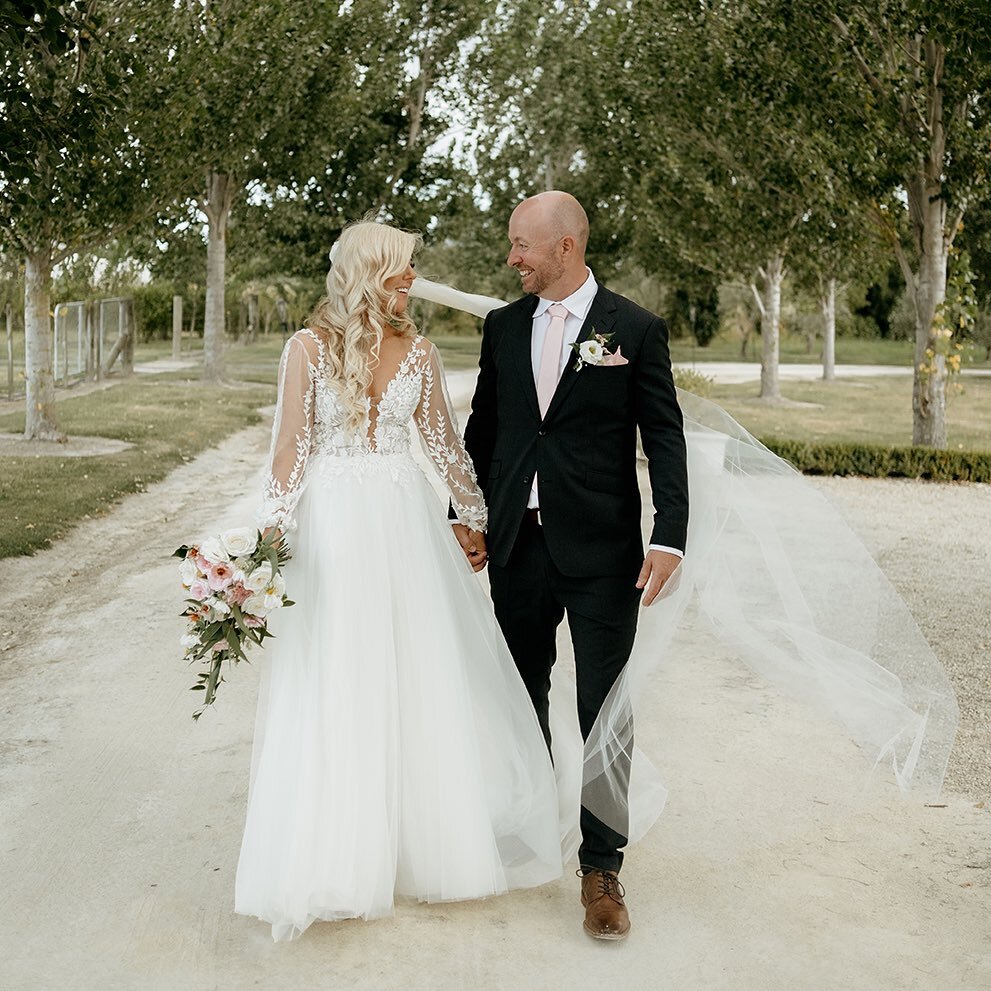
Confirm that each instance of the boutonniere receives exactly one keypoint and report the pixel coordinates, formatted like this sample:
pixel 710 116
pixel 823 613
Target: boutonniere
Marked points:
pixel 594 352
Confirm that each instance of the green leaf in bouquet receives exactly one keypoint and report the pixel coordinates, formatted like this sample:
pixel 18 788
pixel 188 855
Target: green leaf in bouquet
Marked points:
pixel 232 638
pixel 181 551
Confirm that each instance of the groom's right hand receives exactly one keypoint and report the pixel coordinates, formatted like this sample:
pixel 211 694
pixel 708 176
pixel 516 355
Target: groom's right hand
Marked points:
pixel 473 544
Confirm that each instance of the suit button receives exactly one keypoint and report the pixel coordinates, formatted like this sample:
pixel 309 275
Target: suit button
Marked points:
pixel 526 479
pixel 541 432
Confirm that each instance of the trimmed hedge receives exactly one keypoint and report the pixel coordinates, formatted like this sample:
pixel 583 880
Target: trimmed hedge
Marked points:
pixel 878 461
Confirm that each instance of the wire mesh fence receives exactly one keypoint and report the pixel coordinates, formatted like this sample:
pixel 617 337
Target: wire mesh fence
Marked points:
pixel 89 337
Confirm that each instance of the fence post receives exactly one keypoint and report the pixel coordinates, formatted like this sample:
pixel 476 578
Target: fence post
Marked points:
pixel 127 329
pixel 101 323
pixel 176 327
pixel 9 315
pixel 56 340
pixel 90 337
pixel 80 338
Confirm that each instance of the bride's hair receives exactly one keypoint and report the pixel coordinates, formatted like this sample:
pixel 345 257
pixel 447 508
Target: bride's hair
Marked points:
pixel 356 308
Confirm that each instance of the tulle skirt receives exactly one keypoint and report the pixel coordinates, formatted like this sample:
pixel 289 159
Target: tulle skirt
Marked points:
pixel 396 750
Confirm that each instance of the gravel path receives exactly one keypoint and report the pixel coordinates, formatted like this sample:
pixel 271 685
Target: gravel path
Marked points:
pixel 121 818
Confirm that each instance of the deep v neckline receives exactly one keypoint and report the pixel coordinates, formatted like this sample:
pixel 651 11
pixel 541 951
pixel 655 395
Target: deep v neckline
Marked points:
pixel 372 401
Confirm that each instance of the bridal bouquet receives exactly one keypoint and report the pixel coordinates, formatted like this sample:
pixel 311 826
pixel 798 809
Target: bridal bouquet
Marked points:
pixel 234 583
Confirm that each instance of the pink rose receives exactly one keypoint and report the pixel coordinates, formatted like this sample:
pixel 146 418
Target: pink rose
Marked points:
pixel 254 622
pixel 220 575
pixel 200 590
pixel 202 563
pixel 237 594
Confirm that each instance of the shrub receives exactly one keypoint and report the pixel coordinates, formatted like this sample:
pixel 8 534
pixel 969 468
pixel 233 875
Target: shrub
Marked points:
pixel 153 311
pixel 692 381
pixel 878 461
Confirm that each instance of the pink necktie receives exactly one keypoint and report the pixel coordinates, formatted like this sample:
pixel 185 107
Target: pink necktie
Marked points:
pixel 550 356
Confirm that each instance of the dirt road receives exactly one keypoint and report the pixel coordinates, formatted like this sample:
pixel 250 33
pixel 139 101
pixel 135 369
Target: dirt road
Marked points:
pixel 120 818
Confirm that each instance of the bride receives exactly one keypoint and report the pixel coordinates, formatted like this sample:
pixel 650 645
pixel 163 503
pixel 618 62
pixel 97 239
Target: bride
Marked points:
pixel 396 750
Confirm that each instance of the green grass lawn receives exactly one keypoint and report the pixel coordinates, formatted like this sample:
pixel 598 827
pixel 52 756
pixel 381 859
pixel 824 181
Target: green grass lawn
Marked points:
pixel 849 351
pixel 865 410
pixel 167 421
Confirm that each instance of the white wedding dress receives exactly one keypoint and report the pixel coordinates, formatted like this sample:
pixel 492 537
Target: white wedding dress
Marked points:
pixel 396 750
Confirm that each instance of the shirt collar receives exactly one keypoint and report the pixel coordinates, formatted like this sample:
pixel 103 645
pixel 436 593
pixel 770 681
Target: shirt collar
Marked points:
pixel 577 303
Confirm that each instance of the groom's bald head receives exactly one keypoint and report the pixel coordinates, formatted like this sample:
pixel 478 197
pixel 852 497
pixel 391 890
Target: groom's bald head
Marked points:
pixel 548 234
pixel 562 214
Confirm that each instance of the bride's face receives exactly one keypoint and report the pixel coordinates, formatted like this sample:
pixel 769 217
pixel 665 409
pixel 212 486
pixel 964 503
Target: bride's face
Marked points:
pixel 399 286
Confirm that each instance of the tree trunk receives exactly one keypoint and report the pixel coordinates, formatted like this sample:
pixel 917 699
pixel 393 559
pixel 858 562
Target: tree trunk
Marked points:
pixel 828 303
pixel 770 324
pixel 41 422
pixel 217 207
pixel 252 317
pixel 928 291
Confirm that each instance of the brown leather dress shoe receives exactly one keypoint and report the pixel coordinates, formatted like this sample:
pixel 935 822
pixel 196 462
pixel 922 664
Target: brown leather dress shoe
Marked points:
pixel 605 911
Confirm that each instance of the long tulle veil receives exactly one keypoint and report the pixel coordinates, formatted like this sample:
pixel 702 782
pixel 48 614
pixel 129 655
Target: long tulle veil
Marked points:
pixel 777 575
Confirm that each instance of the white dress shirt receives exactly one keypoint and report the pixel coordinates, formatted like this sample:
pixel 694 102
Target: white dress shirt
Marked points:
pixel 578 304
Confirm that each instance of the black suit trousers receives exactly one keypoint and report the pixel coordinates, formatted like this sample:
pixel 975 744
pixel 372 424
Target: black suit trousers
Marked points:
pixel 531 597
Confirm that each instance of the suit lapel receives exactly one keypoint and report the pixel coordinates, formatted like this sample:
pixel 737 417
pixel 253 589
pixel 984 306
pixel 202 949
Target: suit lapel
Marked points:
pixel 600 319
pixel 520 340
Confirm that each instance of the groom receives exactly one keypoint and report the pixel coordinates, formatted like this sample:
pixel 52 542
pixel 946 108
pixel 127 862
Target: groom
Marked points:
pixel 553 435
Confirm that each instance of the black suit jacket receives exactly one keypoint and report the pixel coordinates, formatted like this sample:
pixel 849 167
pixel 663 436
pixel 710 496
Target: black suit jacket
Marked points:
pixel 585 448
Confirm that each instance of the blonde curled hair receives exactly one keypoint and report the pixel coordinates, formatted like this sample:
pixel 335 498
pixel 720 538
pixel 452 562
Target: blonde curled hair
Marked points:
pixel 357 307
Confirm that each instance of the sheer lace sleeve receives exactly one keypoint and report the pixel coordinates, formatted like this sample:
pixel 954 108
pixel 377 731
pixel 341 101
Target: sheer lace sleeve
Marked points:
pixel 292 434
pixel 442 441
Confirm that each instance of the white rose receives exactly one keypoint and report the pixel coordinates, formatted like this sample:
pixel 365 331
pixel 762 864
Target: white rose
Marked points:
pixel 188 640
pixel 188 572
pixel 259 578
pixel 219 607
pixel 591 352
pixel 240 541
pixel 255 606
pixel 213 550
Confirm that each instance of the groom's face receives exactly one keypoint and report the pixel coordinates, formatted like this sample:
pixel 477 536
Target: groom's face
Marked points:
pixel 534 250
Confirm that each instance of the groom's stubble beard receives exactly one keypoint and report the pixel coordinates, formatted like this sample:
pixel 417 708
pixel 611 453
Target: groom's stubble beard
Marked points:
pixel 546 276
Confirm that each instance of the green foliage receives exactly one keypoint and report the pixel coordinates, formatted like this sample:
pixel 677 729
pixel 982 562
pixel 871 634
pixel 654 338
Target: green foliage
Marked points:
pixel 72 168
pixel 153 311
pixel 693 309
pixel 692 381
pixel 880 300
pixel 876 461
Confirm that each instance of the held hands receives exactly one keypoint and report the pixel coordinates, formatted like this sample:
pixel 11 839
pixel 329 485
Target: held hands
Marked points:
pixel 473 544
pixel 658 566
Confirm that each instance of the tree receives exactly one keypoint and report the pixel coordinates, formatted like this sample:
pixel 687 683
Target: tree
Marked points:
pixel 921 120
pixel 331 120
pixel 720 159
pixel 72 171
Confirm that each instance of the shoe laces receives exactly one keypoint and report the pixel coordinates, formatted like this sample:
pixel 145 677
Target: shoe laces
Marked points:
pixel 608 882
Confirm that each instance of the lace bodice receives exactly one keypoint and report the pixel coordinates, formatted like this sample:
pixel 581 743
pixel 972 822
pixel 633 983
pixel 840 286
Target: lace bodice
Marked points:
pixel 310 427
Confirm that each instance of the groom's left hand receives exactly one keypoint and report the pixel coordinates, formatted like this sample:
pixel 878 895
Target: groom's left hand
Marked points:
pixel 658 566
